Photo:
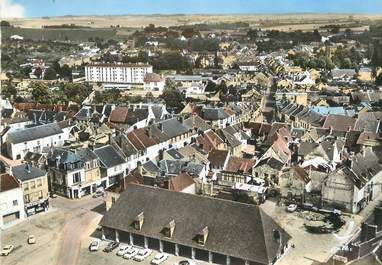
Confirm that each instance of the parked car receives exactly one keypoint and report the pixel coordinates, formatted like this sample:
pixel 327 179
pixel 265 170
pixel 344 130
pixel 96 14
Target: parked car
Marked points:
pixel 185 262
pixel 111 246
pixel 94 245
pixel 122 250
pixel 31 239
pixel 142 254
pixel 292 207
pixel 159 258
pixel 98 193
pixel 130 253
pixel 7 250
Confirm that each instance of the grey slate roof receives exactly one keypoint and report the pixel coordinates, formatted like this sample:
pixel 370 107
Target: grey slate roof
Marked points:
pixel 86 154
pixel 34 133
pixel 175 167
pixel 197 122
pixel 235 229
pixel 214 114
pixel 26 172
pixel 109 156
pixel 172 127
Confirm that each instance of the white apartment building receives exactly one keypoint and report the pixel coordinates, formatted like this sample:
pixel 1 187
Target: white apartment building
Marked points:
pixel 117 73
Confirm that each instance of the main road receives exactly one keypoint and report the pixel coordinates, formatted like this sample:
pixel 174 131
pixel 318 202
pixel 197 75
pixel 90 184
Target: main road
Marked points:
pixel 81 218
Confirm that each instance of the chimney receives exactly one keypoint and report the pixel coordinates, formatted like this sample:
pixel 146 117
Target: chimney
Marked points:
pixel 138 221
pixel 160 127
pixel 58 158
pixel 140 168
pixel 28 168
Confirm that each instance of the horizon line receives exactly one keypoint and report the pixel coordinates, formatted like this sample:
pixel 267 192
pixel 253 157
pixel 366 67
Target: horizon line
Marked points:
pixel 203 14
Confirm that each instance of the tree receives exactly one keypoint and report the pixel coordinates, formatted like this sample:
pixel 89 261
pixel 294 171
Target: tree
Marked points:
pixel 173 99
pixel 211 86
pixel 189 32
pixel 40 92
pixel 66 71
pixel 4 23
pixel 50 74
pixel 56 66
pixel 9 91
pixel 26 70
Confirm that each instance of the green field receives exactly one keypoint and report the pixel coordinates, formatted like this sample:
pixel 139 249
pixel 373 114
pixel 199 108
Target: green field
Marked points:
pixel 82 34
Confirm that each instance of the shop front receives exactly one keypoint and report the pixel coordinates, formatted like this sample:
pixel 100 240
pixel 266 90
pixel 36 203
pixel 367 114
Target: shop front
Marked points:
pixel 37 207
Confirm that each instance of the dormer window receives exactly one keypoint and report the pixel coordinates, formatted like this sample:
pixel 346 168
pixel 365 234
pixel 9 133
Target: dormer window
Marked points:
pixel 138 221
pixel 202 236
pixel 168 230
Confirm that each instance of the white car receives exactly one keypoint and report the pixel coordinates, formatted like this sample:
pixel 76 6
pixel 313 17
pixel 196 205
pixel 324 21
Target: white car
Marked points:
pixel 142 254
pixel 31 239
pixel 122 250
pixel 291 208
pixel 7 250
pixel 159 258
pixel 94 245
pixel 130 253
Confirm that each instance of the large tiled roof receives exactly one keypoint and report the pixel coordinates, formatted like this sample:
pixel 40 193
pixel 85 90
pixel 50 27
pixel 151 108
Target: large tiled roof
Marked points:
pixel 34 133
pixel 234 229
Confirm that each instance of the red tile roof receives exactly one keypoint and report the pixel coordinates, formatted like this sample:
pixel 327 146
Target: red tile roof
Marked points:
pixel 238 164
pixel 8 182
pixel 180 182
pixel 141 139
pixel 119 115
pixel 210 140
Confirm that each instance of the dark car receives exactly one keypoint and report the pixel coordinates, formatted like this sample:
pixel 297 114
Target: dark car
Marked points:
pixel 110 247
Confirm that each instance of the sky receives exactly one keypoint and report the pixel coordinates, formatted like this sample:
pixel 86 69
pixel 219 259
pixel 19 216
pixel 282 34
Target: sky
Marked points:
pixel 39 8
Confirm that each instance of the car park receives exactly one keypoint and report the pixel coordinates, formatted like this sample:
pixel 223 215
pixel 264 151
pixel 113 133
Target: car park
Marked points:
pixel 7 250
pixel 159 258
pixel 111 246
pixel 94 245
pixel 123 249
pixel 31 239
pixel 142 254
pixel 130 253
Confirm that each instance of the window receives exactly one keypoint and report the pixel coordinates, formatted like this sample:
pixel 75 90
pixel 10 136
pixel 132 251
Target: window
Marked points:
pixel 39 182
pixel 15 203
pixel 40 195
pixel 76 177
pixel 33 184
pixel 26 186
pixel 112 200
pixel 26 198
